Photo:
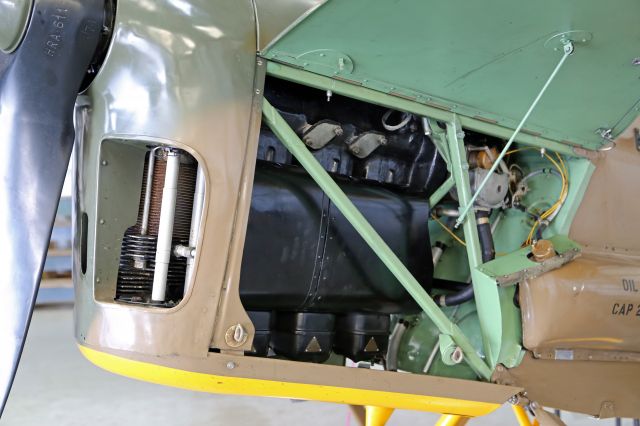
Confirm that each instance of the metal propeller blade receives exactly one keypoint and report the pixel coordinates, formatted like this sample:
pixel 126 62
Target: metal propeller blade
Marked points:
pixel 39 83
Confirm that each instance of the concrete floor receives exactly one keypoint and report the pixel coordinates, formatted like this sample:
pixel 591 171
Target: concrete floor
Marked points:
pixel 55 385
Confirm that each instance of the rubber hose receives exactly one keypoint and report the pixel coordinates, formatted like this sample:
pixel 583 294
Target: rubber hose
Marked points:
pixel 488 253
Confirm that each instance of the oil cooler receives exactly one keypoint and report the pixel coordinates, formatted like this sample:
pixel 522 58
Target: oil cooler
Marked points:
pixel 587 310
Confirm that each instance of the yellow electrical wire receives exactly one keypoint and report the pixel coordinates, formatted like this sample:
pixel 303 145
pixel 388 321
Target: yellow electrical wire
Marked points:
pixel 561 167
pixel 562 170
pixel 449 231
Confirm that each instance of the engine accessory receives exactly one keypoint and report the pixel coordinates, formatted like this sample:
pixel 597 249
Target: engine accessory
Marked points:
pixel 483 157
pixel 494 191
pixel 301 254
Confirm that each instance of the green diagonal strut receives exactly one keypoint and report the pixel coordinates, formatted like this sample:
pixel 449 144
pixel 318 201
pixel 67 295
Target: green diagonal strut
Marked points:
pixel 290 140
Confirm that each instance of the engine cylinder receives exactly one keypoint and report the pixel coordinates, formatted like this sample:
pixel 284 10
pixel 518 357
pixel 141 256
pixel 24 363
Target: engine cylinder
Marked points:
pixel 137 257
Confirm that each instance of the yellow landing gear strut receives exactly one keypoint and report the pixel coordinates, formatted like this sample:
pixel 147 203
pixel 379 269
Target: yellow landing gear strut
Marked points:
pixel 378 416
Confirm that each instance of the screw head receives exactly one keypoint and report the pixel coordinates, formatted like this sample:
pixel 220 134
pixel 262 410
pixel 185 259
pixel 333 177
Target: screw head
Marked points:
pixel 231 365
pixel 105 162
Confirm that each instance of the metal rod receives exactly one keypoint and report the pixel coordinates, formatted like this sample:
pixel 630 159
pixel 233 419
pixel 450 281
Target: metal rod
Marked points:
pixel 196 219
pixel 165 228
pixel 144 228
pixel 568 50
pixel 291 141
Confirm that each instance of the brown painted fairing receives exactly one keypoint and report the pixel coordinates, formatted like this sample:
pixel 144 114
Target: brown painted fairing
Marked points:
pixel 585 309
pixel 608 219
pixel 153 89
pixel 604 389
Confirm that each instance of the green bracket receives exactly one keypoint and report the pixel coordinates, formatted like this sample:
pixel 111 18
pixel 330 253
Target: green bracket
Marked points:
pixel 298 149
pixel 516 266
pixel 443 190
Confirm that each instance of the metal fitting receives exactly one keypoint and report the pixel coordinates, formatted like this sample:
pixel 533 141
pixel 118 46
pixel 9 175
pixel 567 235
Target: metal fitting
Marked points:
pixel 184 251
pixel 235 336
pixel 457 356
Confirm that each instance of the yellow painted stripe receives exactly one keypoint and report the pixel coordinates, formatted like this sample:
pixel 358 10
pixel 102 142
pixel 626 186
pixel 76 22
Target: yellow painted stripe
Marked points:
pixel 256 387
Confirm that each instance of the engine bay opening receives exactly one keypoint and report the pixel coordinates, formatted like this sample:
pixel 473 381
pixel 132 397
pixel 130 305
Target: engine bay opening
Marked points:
pixel 312 288
pixel 294 284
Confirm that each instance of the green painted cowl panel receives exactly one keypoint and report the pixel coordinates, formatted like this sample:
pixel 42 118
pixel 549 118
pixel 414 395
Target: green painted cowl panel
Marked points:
pixel 483 59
